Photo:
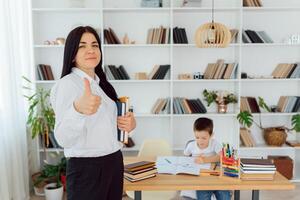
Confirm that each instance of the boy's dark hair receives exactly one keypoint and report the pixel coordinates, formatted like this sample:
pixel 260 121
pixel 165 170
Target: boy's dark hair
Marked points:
pixel 204 124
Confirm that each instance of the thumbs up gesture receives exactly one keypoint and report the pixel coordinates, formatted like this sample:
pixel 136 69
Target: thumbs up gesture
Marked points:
pixel 88 103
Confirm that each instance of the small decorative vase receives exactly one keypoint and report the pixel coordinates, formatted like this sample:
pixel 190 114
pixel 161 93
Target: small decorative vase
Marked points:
pixel 222 108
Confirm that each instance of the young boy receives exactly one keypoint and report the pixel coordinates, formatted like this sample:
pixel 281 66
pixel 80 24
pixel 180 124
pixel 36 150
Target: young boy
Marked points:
pixel 205 149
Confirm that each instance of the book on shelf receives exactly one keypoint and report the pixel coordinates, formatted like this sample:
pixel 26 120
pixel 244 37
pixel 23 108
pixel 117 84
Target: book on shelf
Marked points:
pixel 159 35
pixel 286 70
pixel 220 70
pixel 161 106
pixel 251 36
pixel 179 36
pixel 116 73
pixel 247 138
pixel 188 106
pixel 234 35
pixel 252 3
pixel 139 171
pixel 160 72
pixel 122 108
pixel 110 37
pixel 288 104
pixel 180 165
pixel 249 104
pixel 45 72
pixel 151 3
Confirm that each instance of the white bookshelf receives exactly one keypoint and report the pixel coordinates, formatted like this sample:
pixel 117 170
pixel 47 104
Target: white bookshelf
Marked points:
pixel 52 19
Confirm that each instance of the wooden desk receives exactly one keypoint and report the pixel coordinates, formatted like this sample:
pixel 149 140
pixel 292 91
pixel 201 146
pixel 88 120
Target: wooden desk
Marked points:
pixel 188 182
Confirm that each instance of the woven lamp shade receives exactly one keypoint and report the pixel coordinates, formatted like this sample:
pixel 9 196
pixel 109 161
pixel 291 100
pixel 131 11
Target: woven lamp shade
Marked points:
pixel 212 35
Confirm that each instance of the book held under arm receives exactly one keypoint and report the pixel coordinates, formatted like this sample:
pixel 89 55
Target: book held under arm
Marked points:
pixel 123 108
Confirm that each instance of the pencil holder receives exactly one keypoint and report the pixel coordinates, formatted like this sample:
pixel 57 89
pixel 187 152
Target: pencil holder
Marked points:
pixel 230 164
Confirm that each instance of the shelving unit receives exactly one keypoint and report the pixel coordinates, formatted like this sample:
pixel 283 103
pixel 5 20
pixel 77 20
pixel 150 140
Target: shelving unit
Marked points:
pixel 52 19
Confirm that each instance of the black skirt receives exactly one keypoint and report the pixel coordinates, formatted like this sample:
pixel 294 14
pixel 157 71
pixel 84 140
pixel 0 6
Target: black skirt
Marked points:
pixel 95 178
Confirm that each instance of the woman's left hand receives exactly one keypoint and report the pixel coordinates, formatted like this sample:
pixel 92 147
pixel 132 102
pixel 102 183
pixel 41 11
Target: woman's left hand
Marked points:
pixel 127 123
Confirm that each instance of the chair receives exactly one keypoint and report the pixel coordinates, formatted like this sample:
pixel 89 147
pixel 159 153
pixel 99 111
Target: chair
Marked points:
pixel 155 147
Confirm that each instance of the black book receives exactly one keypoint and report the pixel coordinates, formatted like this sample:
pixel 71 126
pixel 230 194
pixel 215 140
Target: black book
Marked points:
pixel 115 72
pixel 291 72
pixel 159 70
pixel 202 107
pixel 183 33
pixel 254 37
pixel 124 72
pixel 175 36
pixel 296 105
pixel 163 72
pixel 122 76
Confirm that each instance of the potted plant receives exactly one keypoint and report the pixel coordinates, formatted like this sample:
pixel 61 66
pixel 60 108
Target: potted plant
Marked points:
pixel 221 98
pixel 51 174
pixel 275 136
pixel 41 117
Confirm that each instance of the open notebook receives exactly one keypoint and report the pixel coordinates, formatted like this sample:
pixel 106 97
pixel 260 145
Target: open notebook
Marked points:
pixel 179 165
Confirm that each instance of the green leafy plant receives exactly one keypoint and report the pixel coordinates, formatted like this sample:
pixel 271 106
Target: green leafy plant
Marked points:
pixel 41 117
pixel 219 97
pixel 52 173
pixel 246 119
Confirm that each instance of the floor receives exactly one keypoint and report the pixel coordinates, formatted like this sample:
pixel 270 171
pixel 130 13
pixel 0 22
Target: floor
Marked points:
pixel 264 195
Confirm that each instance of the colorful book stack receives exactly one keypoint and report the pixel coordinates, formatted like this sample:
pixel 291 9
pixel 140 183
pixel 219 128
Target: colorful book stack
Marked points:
pixel 230 164
pixel 139 171
pixel 257 169
pixel 123 108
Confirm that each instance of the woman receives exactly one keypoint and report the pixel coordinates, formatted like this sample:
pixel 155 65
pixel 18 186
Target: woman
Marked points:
pixel 86 120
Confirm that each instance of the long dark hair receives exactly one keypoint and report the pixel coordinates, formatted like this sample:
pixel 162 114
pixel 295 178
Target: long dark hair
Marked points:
pixel 71 48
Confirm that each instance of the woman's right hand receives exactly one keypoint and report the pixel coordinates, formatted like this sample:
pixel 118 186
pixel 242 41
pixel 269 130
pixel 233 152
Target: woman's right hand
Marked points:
pixel 88 103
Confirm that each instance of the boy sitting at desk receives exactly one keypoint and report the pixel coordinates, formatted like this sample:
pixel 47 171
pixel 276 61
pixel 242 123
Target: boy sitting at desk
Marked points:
pixel 205 149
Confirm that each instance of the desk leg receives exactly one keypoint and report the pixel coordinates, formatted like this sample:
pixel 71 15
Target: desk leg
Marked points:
pixel 137 195
pixel 255 194
pixel 236 195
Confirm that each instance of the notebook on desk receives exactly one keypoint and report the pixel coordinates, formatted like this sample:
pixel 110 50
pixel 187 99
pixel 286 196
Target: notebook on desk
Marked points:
pixel 180 165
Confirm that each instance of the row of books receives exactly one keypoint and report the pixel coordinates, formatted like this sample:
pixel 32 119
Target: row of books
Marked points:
pixel 45 72
pixel 249 104
pixel 160 72
pixel 161 106
pixel 159 35
pixel 287 70
pixel 220 70
pixel 251 36
pixel 252 3
pixel 246 138
pixel 179 36
pixel 139 171
pixel 257 169
pixel 116 73
pixel 288 104
pixel 188 106
pixel 110 37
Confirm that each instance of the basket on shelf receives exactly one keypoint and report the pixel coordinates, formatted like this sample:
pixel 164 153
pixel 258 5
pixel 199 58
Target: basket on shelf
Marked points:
pixel 275 136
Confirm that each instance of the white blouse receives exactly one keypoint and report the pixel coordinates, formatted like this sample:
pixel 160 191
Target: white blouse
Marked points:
pixel 83 135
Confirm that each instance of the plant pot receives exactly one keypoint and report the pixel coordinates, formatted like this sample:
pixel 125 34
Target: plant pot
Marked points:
pixel 222 108
pixel 63 179
pixel 53 193
pixel 275 136
pixel 39 191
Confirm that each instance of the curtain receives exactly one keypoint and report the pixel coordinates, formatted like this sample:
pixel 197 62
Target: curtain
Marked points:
pixel 15 61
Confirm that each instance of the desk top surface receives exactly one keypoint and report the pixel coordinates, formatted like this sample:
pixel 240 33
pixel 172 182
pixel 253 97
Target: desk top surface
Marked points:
pixel 189 182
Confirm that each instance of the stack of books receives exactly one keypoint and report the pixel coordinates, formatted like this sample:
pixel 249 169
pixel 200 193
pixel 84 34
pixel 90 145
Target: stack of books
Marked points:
pixel 116 73
pixel 160 35
pixel 257 169
pixel 188 106
pixel 139 171
pixel 220 70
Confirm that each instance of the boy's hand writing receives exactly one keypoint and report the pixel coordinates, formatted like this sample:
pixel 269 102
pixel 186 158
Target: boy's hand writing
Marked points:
pixel 199 159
